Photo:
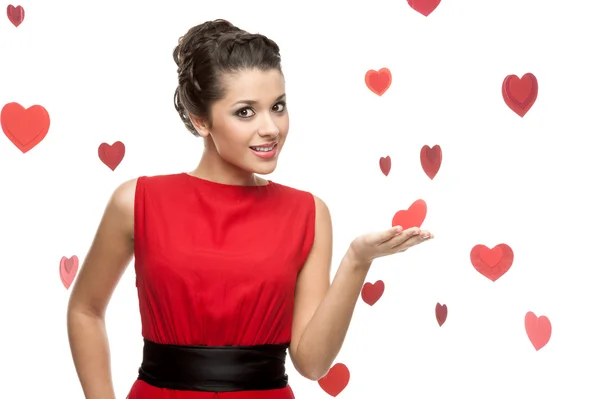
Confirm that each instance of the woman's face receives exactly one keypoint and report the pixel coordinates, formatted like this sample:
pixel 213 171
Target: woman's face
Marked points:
pixel 250 124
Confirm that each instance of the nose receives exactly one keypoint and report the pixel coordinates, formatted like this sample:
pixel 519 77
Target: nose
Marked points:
pixel 268 127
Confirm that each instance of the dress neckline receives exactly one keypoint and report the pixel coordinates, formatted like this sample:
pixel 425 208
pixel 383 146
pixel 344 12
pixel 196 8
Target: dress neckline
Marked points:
pixel 227 186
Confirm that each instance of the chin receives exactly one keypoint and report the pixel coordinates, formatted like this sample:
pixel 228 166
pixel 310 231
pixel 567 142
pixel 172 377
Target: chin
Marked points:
pixel 265 169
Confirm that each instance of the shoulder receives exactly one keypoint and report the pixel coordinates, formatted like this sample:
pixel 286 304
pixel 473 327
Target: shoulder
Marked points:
pixel 120 207
pixel 315 203
pixel 158 180
pixel 291 192
pixel 123 197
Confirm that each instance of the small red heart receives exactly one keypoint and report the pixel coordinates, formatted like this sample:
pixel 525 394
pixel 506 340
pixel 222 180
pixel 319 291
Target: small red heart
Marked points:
pixel 424 7
pixel 441 313
pixel 431 160
pixel 414 216
pixel 372 292
pixel 16 15
pixel 336 380
pixel 25 128
pixel 520 93
pixel 378 81
pixel 111 155
pixel 492 263
pixel 68 270
pixel 385 164
pixel 539 330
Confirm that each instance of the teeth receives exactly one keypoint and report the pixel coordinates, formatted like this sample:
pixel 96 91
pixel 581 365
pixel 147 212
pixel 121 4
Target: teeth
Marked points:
pixel 263 149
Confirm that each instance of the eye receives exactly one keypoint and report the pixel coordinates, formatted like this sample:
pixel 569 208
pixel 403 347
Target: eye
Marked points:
pixel 279 107
pixel 245 113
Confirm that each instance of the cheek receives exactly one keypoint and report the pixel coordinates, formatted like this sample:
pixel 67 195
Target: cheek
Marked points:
pixel 232 136
pixel 284 125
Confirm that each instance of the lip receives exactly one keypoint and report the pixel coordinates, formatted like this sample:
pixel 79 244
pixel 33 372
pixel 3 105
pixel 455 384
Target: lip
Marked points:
pixel 265 145
pixel 271 154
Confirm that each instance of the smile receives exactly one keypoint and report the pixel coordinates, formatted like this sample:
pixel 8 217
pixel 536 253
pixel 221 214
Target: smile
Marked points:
pixel 264 149
pixel 268 151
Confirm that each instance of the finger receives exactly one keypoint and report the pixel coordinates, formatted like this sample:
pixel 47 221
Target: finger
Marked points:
pixel 389 234
pixel 402 237
pixel 426 234
pixel 412 241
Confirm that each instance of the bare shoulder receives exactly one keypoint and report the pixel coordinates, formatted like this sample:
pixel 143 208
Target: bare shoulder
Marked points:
pixel 322 214
pixel 320 206
pixel 323 224
pixel 122 204
pixel 123 198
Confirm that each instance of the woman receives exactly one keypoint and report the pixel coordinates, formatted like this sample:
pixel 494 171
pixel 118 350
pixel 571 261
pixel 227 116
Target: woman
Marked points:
pixel 232 270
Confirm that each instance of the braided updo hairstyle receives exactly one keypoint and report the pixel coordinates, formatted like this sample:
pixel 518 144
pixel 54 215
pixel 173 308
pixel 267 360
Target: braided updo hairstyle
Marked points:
pixel 208 51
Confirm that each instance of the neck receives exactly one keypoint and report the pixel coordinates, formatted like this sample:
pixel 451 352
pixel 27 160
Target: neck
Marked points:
pixel 212 167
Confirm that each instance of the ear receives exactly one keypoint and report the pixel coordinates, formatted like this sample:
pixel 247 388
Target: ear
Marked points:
pixel 201 125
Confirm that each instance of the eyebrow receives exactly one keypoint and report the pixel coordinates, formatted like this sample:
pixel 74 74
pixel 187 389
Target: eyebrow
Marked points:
pixel 253 102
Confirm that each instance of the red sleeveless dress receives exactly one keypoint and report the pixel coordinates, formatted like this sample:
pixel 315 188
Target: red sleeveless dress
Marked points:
pixel 216 265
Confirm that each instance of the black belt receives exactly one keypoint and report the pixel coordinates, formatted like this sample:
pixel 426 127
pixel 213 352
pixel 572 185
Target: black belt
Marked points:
pixel 214 368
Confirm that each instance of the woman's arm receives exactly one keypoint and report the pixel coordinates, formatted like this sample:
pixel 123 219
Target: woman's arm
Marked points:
pixel 110 253
pixel 322 312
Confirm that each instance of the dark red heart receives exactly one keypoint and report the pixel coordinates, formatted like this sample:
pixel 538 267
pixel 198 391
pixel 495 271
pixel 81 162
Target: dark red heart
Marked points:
pixel 372 292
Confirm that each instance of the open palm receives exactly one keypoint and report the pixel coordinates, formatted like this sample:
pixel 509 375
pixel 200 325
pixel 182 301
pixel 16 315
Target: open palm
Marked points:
pixel 370 246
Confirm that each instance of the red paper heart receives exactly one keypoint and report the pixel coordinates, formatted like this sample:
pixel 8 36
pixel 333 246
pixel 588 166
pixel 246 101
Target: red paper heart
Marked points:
pixel 441 313
pixel 431 160
pixel 385 164
pixel 16 15
pixel 111 155
pixel 539 330
pixel 25 128
pixel 68 270
pixel 492 263
pixel 414 216
pixel 378 81
pixel 336 380
pixel 424 7
pixel 520 94
pixel 491 257
pixel 372 292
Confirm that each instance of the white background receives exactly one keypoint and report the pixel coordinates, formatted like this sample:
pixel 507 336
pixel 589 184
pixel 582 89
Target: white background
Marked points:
pixel 104 72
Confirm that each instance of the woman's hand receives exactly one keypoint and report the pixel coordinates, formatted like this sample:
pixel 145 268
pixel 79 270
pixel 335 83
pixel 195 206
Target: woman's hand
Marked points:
pixel 369 247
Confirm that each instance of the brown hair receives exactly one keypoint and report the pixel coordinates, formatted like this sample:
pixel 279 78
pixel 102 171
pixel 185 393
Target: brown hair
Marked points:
pixel 205 53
